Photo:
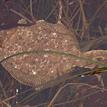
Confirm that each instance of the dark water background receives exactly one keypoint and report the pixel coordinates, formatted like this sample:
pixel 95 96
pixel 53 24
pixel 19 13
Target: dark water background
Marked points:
pixel 41 10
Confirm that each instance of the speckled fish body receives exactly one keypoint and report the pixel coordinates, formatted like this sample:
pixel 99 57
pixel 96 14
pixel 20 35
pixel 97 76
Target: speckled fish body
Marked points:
pixel 32 69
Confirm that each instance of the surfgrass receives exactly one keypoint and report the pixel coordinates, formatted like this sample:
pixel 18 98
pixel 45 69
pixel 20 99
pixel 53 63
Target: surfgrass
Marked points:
pixel 53 52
